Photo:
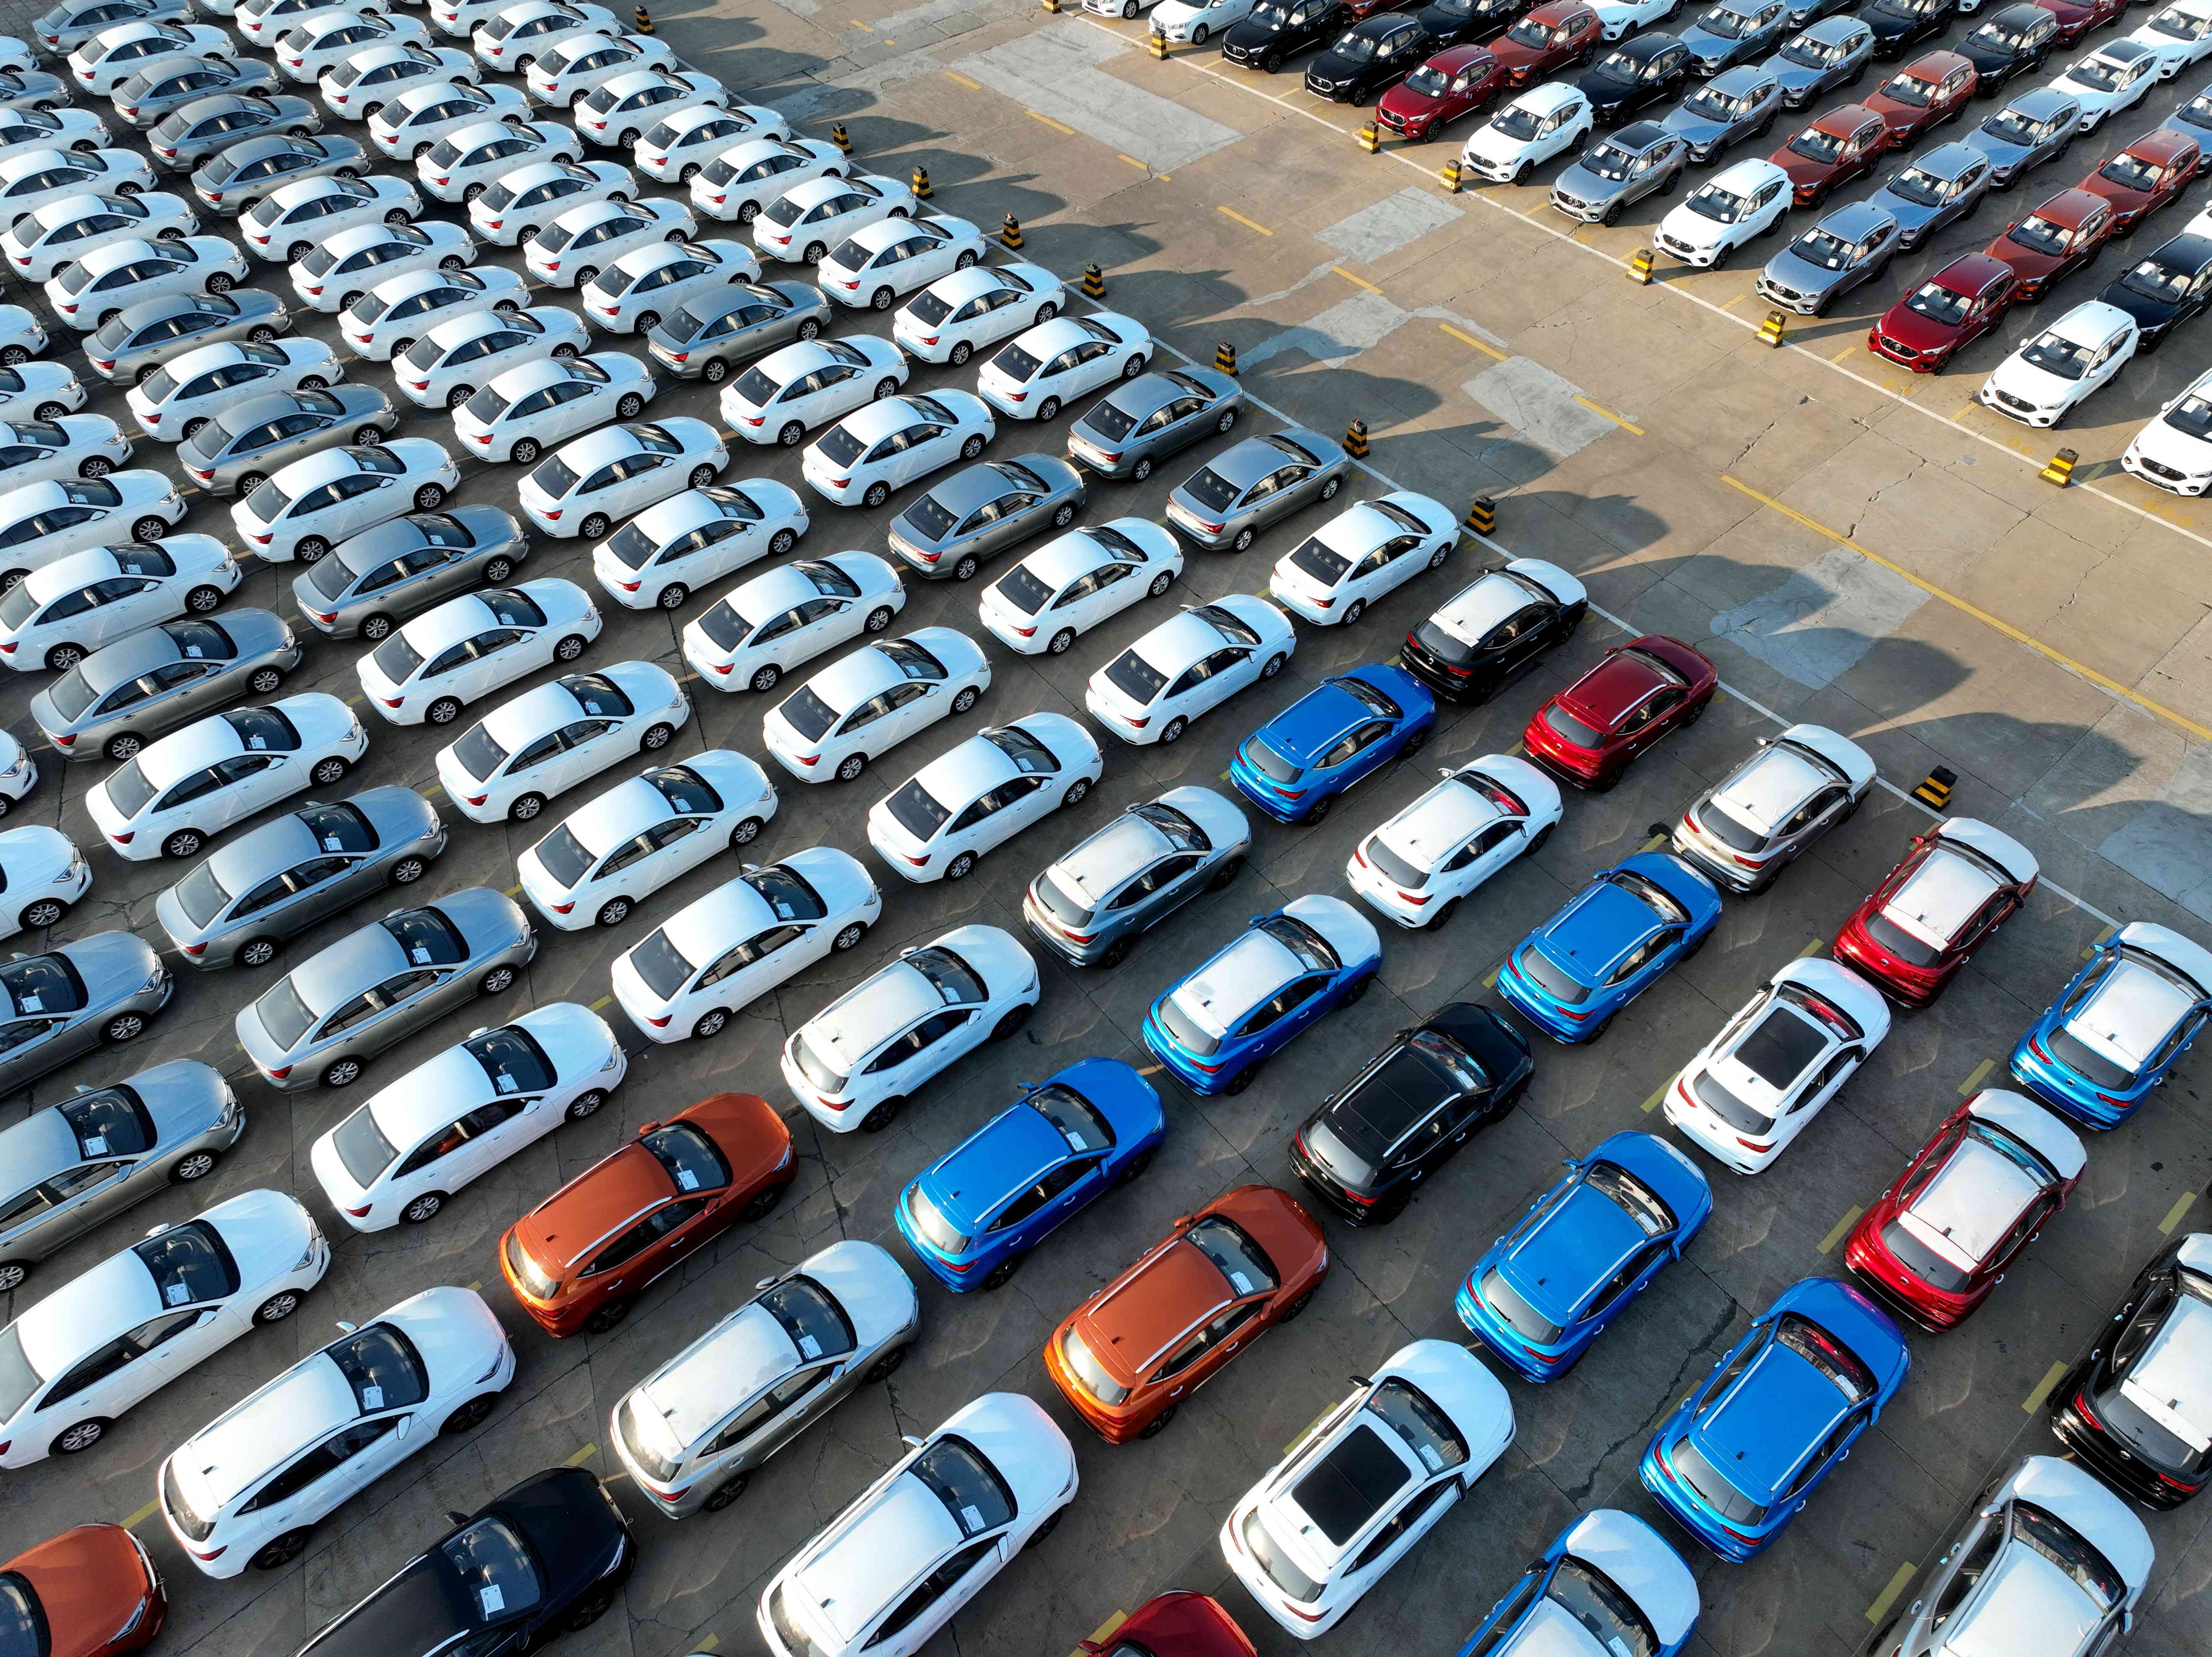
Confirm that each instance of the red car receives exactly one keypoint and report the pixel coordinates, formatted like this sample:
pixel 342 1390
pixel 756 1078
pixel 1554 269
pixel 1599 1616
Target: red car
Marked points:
pixel 90 1591
pixel 1449 85
pixel 2054 241
pixel 2077 17
pixel 1953 307
pixel 1590 731
pixel 2148 174
pixel 1931 89
pixel 1957 885
pixel 1178 1624
pixel 1839 146
pixel 1938 1240
pixel 1548 40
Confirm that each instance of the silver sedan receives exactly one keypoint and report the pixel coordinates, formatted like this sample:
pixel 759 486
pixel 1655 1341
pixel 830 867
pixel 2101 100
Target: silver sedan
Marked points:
pixel 984 509
pixel 372 583
pixel 126 349
pixel 709 335
pixel 119 698
pixel 91 991
pixel 1225 503
pixel 235 452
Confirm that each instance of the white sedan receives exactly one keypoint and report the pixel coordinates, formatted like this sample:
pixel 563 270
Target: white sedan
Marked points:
pixel 396 312
pixel 510 762
pixel 1617 17
pixel 185 392
pixel 1197 21
pixel 752 635
pixel 322 40
pixel 21 339
pixel 39 177
pixel 809 384
pixel 2178 35
pixel 74 446
pixel 1417 867
pixel 1728 212
pixel 193 783
pixel 470 646
pixel 805 223
pixel 513 40
pixel 648 283
pixel 1540 124
pixel 458 357
pixel 457 18
pixel 523 203
pixel 586 486
pixel 1364 552
pixel 411 124
pixel 658 559
pixel 45 874
pixel 461 166
pixel 37 390
pixel 2116 76
pixel 677 147
pixel 110 280
pixel 612 854
pixel 114 56
pixel 282 228
pixel 890 444
pixel 586 240
pixel 23 127
pixel 40 245
pixel 1031 376
pixel 311 505
pixel 981 794
pixel 55 617
pixel 746 177
pixel 2051 374
pixel 861 707
pixel 339 272
pixel 2174 453
pixel 870 269
pixel 564 75
pixel 958 315
pixel 526 408
pixel 375 82
pixel 41 523
pixel 402 1156
pixel 1185 666
pixel 619 111
pixel 261 22
pixel 1074 581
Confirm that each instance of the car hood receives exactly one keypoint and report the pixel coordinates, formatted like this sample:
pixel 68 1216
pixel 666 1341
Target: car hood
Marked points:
pixel 1807 277
pixel 2148 312
pixel 1908 327
pixel 2038 386
pixel 2156 441
pixel 2001 152
pixel 1583 183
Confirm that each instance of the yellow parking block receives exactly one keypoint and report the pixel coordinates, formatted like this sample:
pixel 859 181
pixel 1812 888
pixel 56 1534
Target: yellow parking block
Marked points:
pixel 1842 1229
pixel 581 1456
pixel 2034 1401
pixel 1887 1596
pixel 1981 1071
pixel 2181 1206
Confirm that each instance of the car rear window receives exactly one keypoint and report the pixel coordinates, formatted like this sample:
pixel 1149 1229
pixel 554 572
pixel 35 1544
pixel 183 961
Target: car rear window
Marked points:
pixel 1024 591
pixel 664 967
pixel 960 1476
pixel 1323 562
pixel 1566 725
pixel 1241 1261
pixel 807 713
pixel 128 790
pixel 362 1148
pixel 810 1316
pixel 1547 975
pixel 478 754
pixel 1525 1319
pixel 283 1016
pixel 1211 489
pixel 1913 952
pixel 563 857
pixel 917 810
pixel 1393 867
pixel 1128 673
pixel 1723 1497
pixel 1825 1353
pixel 383 1367
pixel 691 1160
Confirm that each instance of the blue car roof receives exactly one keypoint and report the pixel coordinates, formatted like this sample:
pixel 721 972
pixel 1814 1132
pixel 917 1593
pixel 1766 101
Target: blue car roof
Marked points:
pixel 1305 729
pixel 1764 1427
pixel 1602 924
pixel 1574 1250
pixel 1007 1154
pixel 1853 1318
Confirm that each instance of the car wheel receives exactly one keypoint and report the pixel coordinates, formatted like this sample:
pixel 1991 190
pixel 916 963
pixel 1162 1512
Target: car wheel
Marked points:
pixel 525 807
pixel 311 549
pixel 965 700
pixel 1001 1274
pixel 496 981
pixel 876 495
pixel 79 1437
pixel 714 371
pixel 606 1317
pixel 792 433
pixel 613 912
pixel 959 354
pixel 745 833
pixel 1291 1312
pixel 1172 731
pixel 1161 583
pixel 185 842
pixel 342 1072
pixel 1062 640
pixel 100 465
pixel 584 1104
pixel 328 771
pixel 885 1367
pixel 45 913
pixel 1011 1023
pixel 256 952
pixel 1048 409
pixel 279 1306
pixel 422 1208
pixel 1198 35
pixel 587 1611
pixel 961 866
pixel 1158 1424
pixel 655 739
pixel 1272 666
pixel 526 450
pixel 123 747
pixel 470 1417
pixel 814 253
pixel 849 937
pixel 882 1116
pixel 1519 175
pixel 1271 63
pixel 12 1274
pixel 1611 217
pixel 1244 539
pixel 727 1491
pixel 150 528
pixel 62 657
pixel 1115 954
pixel 851 766
pixel 596 526
pixel 1354 611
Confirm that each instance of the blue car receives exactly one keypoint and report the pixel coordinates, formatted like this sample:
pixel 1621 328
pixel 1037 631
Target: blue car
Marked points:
pixel 1220 1025
pixel 1611 943
pixel 1294 767
pixel 972 1216
pixel 2120 1028
pixel 1583 1252
pixel 1742 1455
pixel 1609 1572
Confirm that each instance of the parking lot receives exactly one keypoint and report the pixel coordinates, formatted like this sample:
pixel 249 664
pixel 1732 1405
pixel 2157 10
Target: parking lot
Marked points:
pixel 1847 541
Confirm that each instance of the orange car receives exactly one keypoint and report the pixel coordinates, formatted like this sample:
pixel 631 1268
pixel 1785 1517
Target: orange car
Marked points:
pixel 92 1592
pixel 581 1259
pixel 1249 1260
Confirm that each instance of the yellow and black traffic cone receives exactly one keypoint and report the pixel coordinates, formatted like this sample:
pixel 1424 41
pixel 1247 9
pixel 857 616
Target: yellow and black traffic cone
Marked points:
pixel 837 137
pixel 921 184
pixel 1224 359
pixel 1481 515
pixel 1935 793
pixel 1094 283
pixel 2060 470
pixel 1639 268
pixel 1449 176
pixel 644 20
pixel 1355 439
pixel 1010 235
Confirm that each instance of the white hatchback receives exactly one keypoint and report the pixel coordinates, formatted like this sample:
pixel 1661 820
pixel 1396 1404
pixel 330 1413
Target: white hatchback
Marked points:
pixel 2051 374
pixel 396 312
pixel 870 267
pixel 888 444
pixel 585 240
pixel 446 367
pixel 955 316
pixel 185 392
pixel 547 740
pixel 108 281
pixel 752 636
pixel 1364 553
pixel 1540 124
pixel 55 617
pixel 1416 868
pixel 750 173
pixel 308 507
pixel 524 408
pixel 1730 210
pixel 662 556
pixel 861 707
pixel 340 270
pixel 1188 665
pixel 461 166
pixel 1031 376
pixel 808 384
pixel 967 802
pixel 523 203
pixel 805 223
pixel 651 283
pixel 282 228
pixel 1074 581
pixel 2118 76
pixel 428 671
pixel 592 483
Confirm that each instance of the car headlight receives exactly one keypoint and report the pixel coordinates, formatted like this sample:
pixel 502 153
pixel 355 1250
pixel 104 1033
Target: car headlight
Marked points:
pixel 153 981
pixel 614 1062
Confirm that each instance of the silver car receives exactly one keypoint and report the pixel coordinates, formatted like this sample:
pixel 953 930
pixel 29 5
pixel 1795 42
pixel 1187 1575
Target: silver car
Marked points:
pixel 2039 125
pixel 1738 103
pixel 1833 52
pixel 370 584
pixel 1090 905
pixel 1946 182
pixel 185 138
pixel 123 695
pixel 1141 422
pixel 1850 245
pixel 234 452
pixel 323 1021
pixel 984 509
pixel 124 349
pixel 146 97
pixel 1642 158
pixel 102 990
pixel 1225 503
pixel 708 337
pixel 233 179
pixel 240 905
pixel 1764 815
pixel 34 88
pixel 69 25
pixel 67 1168
pixel 1734 31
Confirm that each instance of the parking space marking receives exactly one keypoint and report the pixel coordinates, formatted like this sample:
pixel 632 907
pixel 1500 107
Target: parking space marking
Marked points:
pixel 1135 162
pixel 2181 1206
pixel 478 1285
pixel 1887 1596
pixel 1657 1094
pixel 1057 126
pixel 1490 978
pixel 581 1456
pixel 972 86
pixel 1359 281
pixel 143 1514
pixel 1843 1229
pixel 1845 352
pixel 1737 300
pixel 708 1643
pixel 602 1004
pixel 1599 409
pixel 1246 222
pixel 2034 1401
pixel 1105 1631
pixel 1812 948
pixel 1465 338
pixel 1967 1088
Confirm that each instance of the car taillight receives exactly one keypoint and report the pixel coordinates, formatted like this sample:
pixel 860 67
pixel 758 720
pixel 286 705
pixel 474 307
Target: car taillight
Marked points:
pixel 632 586
pixel 360 1213
pixel 564 908
pixel 929 339
pixel 314 291
pixel 809 759
pixel 69 740
pixel 195 951
pixel 1017 396
pixel 483 438
pixel 840 482
pixel 850 287
pixel 277 1074
pixel 929 558
pixel 1134 725
pixel 217 1554
pixel 204 477
pixel 420 384
pixel 919 863
pixel 328 618
pixel 493 224
pixel 1211 528
pixel 358 339
pixel 1023 632
pixel 750 420
pixel 1750 1144
pixel 556 513
pixel 477 799
pixel 166 150
pixel 2108 1099
pixel 124 838
pixel 393 701
pixel 607 310
pixel 441 183
pixel 679 356
pixel 2036 1047
pixel 552 264
pixel 2081 1409
pixel 1417 898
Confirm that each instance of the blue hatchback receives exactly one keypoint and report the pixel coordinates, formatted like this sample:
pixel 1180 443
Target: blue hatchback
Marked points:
pixel 1611 943
pixel 1611 1573
pixel 973 1215
pixel 1294 767
pixel 1583 1252
pixel 1744 1453
pixel 2121 1026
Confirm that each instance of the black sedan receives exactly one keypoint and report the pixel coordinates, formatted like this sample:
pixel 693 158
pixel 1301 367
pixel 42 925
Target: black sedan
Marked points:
pixel 2009 43
pixel 2164 288
pixel 1469 22
pixel 1368 59
pixel 1280 29
pixel 1639 72
pixel 1897 24
pixel 1490 633
pixel 2129 1406
pixel 1366 1150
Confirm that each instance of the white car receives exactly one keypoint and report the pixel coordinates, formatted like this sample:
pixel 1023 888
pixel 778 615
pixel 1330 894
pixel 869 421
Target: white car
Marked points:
pixel 1417 867
pixel 752 636
pixel 586 240
pixel 110 280
pixel 409 124
pixel 1617 17
pixel 43 523
pixel 39 177
pixel 37 391
pixel 55 617
pixel 1364 552
pixel 620 110
pixel 193 783
pixel 426 671
pixel 2053 373
pixel 887 444
pixel 401 1156
pixel 309 505
pixel 523 203
pixel 2114 77
pixel 746 177
pixel 955 316
pixel 861 707
pixel 462 354
pixel 396 312
pixel 2174 453
pixel 1730 210
pixel 1032 375
pixel 261 22
pixel 662 556
pixel 282 228
pixel 1074 581
pixel 612 854
pixel 513 40
pixel 1197 22
pixel 926 1537
pixel 19 772
pixel 1543 122
pixel 375 82
pixel 660 279
pixel 980 795
pixel 46 873
pixel 1152 691
pixel 870 269
pixel 853 1062
pixel 594 481
pixel 527 408
pixel 74 446
pixel 114 56
pixel 677 147
pixel 2178 35
pixel 1752 1088
pixel 58 235
pixel 338 272
pixel 564 75
pixel 106 1340
pixel 720 953
pixel 1356 1491
pixel 22 128
pixel 248 1488
pixel 322 40
pixel 510 762
pixel 809 383
pixel 461 166
pixel 808 220
pixel 21 339
pixel 185 392
pixel 460 18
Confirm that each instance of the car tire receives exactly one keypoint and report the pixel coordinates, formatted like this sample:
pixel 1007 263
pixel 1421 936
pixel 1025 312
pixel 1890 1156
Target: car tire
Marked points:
pixel 444 711
pixel 849 768
pixel 497 982
pixel 150 528
pixel 959 354
pixel 279 1306
pixel 727 1491
pixel 882 1116
pixel 587 1611
pixel 1245 537
pixel 79 1437
pixel 965 700
pixel 710 1023
pixel 100 465
pixel 655 739
pixel 1048 409
pixel 1273 666
pixel 342 1072
pixel 1354 611
pixel 1001 1274
pixel 526 450
pixel 1061 641
pixel 185 842
pixel 256 953
pixel 849 937
pixel 63 657
pixel 1611 217
pixel 613 912
pixel 1199 34
pixel 1291 1312
pixel 585 1104
pixel 422 1209
pixel 12 1275
pixel 961 867
pixel 714 371
pixel 1133 1169
pixel 525 807
pixel 124 745
pixel 1317 813
pixel 1158 1424
pixel 791 435
pixel 875 495
pixel 885 1367
pixel 607 1317
pixel 745 833
pixel 1172 731
pixel 328 771
pixel 43 913
pixel 1010 1025
pixel 469 1417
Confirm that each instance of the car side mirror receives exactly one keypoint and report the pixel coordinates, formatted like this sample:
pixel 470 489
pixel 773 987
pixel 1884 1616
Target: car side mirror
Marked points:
pixel 455 1517
pixel 477 1031
pixel 345 1328
pixel 765 1283
pixel 644 1128
pixel 1362 1380
pixel 911 1441
pixel 1184 1221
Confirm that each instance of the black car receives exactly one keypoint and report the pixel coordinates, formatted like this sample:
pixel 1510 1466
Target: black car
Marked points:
pixel 1490 634
pixel 1639 72
pixel 1278 29
pixel 546 1558
pixel 2009 43
pixel 1897 24
pixel 1368 58
pixel 2099 1416
pixel 2164 288
pixel 1367 1148
pixel 1469 22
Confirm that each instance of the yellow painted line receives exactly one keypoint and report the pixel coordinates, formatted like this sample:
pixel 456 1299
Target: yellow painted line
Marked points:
pixel 860 26
pixel 1653 844
pixel 1842 1229
pixel 1841 355
pixel 1298 1439
pixel 1140 166
pixel 356 700
pixel 1057 126
pixel 1963 412
pixel 431 791
pixel 1887 1596
pixel 2181 1205
pixel 478 1285
pixel 1657 1094
pixel 2057 657
pixel 1469 339
pixel 142 1514
pixel 1232 213
pixel 708 1643
pixel 1360 281
pixel 2098 943
pixel 2034 1401
pixel 1737 300
pixel 1152 1070
pixel 602 1004
pixel 581 1456
pixel 1599 409
pixel 972 86
pixel 1814 947
pixel 1980 1071
pixel 1105 1631
pixel 1490 979
pixel 1518 749
pixel 512 890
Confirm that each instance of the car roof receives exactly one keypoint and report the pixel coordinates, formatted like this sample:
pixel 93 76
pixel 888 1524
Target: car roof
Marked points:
pixel 1772 784
pixel 1302 732
pixel 1763 1426
pixel 740 1356
pixel 875 1553
pixel 1950 160
pixel 856 1023
pixel 1438 821
pixel 960 775
pixel 1939 897
pixel 851 680
pixel 1836 29
pixel 1844 120
pixel 1005 1156
pixel 2163 143
pixel 2184 954
pixel 1970 273
pixel 1253 967
pixel 544 707
pixel 264 1432
pixel 1854 220
pixel 2171 1381
pixel 1744 77
pixel 1551 96
pixel 2092 322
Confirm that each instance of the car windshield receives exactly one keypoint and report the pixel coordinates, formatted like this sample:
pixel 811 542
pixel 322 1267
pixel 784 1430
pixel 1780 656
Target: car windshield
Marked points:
pixel 2130 171
pixel 494 1568
pixel 1721 206
pixel 1632 1197
pixel 2064 1547
pixel 1356 47
pixel 2192 415
pixel 1814 145
pixel 2158 282
pixel 1427 1430
pixel 1610 162
pixel 189 1264
pixel 1808 53
pixel 2055 354
pixel 511 1059
pixel 1999 35
pixel 1428 81
pixel 1517 121
pixel 1939 304
pixel 688 1156
pixel 1709 101
pixel 1240 1260
pixel 383 1367
pixel 1921 189
pixel 2177 25
pixel 1728 25
pixel 1908 89
pixel 1823 248
pixel 1611 1616
pixel 956 1472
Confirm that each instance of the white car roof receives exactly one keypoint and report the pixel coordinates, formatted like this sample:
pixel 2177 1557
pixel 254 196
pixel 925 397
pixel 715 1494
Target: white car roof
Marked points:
pixel 1965 1211
pixel 623 812
pixel 1993 843
pixel 199 744
pixel 972 768
pixel 811 192
pixel 1741 177
pixel 975 281
pixel 1047 340
pixel 2184 954
pixel 66 574
pixel 432 1096
pixel 1435 824
pixel 1469 614
pixel 1634 1557
pixel 449 623
pixel 877 420
pixel 530 715
pixel 852 1027
pixel 266 1431
pixel 1177 642
pixel 319 467
pixel 2130 1014
pixel 708 925
pixel 850 681
pixel 88 1311
pixel 802 357
pixel 2093 321
pixel 2022 1117
pixel 1550 96
pixel 595 449
pixel 1770 787
pixel 1939 897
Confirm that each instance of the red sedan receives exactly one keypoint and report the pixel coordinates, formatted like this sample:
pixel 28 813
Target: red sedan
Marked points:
pixel 1958 883
pixel 1931 89
pixel 1838 146
pixel 1548 40
pixel 2054 241
pixel 1938 1240
pixel 1178 1624
pixel 1590 731
pixel 1449 85
pixel 2077 17
pixel 2148 174
pixel 1953 307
